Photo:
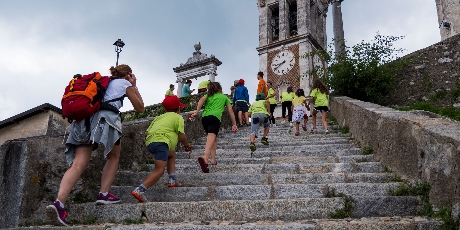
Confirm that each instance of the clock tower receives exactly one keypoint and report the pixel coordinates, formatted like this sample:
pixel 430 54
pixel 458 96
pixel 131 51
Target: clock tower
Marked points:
pixel 289 29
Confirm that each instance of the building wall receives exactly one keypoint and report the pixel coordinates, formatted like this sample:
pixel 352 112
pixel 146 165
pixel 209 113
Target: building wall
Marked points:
pixel 47 122
pixel 448 17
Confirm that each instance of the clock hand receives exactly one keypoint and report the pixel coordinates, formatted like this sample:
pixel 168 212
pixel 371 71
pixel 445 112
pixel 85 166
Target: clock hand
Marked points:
pixel 279 65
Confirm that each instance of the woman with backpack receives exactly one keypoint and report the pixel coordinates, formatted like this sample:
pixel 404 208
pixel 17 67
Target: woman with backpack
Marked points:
pixel 103 128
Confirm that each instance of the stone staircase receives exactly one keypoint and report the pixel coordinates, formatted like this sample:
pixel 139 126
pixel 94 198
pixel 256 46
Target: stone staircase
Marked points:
pixel 296 182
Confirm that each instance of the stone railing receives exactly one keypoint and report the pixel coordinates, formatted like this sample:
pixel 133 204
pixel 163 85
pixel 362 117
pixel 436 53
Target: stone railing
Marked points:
pixel 416 145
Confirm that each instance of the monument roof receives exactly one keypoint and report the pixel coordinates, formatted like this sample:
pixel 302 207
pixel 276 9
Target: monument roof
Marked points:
pixel 198 59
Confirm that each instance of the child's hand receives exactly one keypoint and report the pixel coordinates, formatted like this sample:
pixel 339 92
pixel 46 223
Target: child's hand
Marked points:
pixel 188 148
pixel 234 128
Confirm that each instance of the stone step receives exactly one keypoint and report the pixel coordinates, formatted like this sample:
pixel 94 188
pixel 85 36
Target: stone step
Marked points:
pixel 275 143
pixel 263 152
pixel 292 147
pixel 253 192
pixel 126 178
pixel 225 141
pixel 194 167
pixel 234 210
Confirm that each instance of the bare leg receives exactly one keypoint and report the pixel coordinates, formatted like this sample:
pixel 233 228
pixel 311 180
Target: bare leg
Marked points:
pixel 158 171
pixel 209 146
pixel 297 126
pixel 71 176
pixel 110 168
pixel 323 119
pixel 214 151
pixel 246 116
pixel 171 166
pixel 252 138
pixel 266 130
pixel 313 118
pixel 240 117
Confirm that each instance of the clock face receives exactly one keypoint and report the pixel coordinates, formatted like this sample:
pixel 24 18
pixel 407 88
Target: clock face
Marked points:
pixel 283 62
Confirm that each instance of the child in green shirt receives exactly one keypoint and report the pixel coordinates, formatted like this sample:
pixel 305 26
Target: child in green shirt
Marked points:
pixel 215 103
pixel 259 116
pixel 320 94
pixel 161 139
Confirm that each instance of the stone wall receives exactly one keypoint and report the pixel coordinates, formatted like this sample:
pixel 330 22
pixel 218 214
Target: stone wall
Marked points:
pixel 31 169
pixel 433 70
pixel 415 145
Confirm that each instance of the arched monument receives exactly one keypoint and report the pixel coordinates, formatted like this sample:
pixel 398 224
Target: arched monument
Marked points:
pixel 196 66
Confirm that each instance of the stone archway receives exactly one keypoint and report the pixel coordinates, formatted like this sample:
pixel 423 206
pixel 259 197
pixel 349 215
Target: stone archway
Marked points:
pixel 196 66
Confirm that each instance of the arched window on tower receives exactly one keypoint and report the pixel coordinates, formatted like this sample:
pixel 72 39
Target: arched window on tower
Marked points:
pixel 275 23
pixel 292 17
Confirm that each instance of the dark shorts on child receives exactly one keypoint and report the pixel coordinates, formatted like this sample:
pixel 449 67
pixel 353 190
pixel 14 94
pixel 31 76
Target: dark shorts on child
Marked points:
pixel 160 150
pixel 202 90
pixel 322 109
pixel 242 106
pixel 211 124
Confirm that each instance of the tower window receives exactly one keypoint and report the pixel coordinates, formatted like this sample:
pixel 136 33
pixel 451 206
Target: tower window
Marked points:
pixel 275 24
pixel 292 18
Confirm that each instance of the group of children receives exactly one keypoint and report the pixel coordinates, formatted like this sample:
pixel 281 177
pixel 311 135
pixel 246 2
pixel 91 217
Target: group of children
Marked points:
pixel 166 130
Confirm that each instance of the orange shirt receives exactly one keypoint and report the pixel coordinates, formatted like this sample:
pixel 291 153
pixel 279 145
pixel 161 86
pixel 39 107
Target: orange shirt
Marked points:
pixel 262 87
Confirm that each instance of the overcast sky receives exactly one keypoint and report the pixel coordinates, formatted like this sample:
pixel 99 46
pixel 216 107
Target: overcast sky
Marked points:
pixel 44 43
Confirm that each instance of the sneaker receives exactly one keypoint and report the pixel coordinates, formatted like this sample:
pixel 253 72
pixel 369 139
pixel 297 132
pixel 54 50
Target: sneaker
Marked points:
pixel 297 133
pixel 252 146
pixel 290 124
pixel 173 183
pixel 138 195
pixel 56 214
pixel 107 199
pixel 264 141
pixel 327 131
pixel 273 125
pixel 304 128
pixel 313 130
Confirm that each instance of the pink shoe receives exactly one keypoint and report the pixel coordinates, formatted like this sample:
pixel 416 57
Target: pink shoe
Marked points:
pixel 297 133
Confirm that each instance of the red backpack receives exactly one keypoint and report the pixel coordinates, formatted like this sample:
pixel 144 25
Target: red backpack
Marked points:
pixel 83 96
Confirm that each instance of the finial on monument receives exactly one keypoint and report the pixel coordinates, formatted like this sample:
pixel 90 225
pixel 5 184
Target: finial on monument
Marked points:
pixel 197 47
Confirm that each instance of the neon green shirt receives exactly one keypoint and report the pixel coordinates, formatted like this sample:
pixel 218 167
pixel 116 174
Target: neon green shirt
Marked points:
pixel 169 93
pixel 298 101
pixel 287 96
pixel 165 128
pixel 258 107
pixel 272 100
pixel 321 99
pixel 215 105
pixel 203 84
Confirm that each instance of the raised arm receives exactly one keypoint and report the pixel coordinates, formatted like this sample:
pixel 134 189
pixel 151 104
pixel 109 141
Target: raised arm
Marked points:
pixel 134 96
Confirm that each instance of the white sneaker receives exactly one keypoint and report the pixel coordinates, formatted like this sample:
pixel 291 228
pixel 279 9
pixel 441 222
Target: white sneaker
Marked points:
pixel 273 125
pixel 290 124
pixel 327 131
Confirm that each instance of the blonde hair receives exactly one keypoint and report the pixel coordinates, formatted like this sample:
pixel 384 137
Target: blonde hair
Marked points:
pixel 120 71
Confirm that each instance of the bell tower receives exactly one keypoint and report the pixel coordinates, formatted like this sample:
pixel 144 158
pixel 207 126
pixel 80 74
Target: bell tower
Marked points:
pixel 289 29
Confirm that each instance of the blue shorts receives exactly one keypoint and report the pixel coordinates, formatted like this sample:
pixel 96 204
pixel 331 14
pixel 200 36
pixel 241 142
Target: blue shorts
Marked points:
pixel 160 150
pixel 242 106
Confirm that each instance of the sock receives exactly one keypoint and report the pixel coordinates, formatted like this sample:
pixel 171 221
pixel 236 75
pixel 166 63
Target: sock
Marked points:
pixel 172 176
pixel 142 188
pixel 60 203
pixel 104 193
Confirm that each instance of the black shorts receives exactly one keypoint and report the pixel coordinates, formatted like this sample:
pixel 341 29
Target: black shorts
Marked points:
pixel 322 109
pixel 202 90
pixel 242 106
pixel 211 124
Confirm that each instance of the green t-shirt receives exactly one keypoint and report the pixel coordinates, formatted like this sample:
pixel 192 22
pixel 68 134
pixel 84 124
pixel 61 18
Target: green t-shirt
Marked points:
pixel 165 128
pixel 203 84
pixel 215 105
pixel 287 96
pixel 272 100
pixel 298 101
pixel 169 93
pixel 258 107
pixel 321 99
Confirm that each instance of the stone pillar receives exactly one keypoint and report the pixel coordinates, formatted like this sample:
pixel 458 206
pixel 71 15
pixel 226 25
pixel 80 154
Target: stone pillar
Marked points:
pixel 339 36
pixel 212 77
pixel 180 85
pixel 284 22
pixel 303 17
pixel 263 25
pixel 448 17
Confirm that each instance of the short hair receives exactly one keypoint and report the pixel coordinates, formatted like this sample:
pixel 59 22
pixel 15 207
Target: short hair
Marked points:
pixel 188 81
pixel 260 73
pixel 171 85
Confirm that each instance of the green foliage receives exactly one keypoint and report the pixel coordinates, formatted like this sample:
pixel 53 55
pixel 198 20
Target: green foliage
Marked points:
pixel 81 198
pixel 133 221
pixel 412 189
pixel 345 129
pixel 397 178
pixel 387 170
pixel 90 219
pixel 450 112
pixel 368 150
pixel 366 71
pixel 362 160
pixel 344 212
pixel 445 215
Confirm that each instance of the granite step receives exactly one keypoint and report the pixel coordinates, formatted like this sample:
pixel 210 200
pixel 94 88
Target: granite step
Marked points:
pixel 127 178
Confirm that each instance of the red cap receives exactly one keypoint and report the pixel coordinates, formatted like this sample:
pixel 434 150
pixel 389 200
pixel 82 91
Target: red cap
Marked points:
pixel 241 81
pixel 172 103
